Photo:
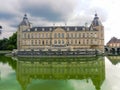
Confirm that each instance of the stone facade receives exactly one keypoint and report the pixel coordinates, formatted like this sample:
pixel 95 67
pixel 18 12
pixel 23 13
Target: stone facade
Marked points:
pixel 60 38
pixel 113 46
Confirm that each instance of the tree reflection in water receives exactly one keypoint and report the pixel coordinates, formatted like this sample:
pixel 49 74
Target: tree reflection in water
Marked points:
pixel 61 68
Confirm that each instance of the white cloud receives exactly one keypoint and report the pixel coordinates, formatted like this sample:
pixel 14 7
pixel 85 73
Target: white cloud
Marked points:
pixel 72 12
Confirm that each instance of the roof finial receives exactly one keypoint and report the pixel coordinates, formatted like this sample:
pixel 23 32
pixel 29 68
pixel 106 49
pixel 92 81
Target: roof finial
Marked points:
pixel 25 16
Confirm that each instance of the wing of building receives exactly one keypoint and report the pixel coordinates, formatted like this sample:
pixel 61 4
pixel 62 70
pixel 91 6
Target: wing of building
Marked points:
pixel 60 38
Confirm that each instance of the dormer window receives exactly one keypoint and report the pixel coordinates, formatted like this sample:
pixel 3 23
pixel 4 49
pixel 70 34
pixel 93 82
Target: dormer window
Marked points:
pixel 50 29
pixel 43 29
pixel 75 28
pixel 83 28
pixel 28 30
pixel 67 29
pixel 35 29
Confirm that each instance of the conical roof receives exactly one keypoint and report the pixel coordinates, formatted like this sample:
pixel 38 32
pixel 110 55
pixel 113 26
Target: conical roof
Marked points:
pixel 96 21
pixel 25 21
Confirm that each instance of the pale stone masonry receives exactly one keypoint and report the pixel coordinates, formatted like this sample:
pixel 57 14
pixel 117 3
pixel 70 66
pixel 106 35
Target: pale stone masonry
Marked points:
pixel 60 38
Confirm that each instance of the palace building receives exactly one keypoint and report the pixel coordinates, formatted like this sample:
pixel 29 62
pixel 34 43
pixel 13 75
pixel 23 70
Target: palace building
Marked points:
pixel 60 38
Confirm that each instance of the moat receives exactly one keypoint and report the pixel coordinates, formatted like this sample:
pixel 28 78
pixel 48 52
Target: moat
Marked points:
pixel 60 73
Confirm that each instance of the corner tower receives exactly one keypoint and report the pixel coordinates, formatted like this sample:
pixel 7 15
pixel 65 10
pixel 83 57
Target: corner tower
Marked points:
pixel 25 24
pixel 97 25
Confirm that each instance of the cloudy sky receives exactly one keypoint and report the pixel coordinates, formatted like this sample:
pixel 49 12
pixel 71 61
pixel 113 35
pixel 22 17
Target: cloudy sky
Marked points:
pixel 59 12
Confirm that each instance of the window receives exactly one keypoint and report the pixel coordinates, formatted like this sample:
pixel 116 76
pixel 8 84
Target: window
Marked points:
pixel 71 41
pixel 43 42
pixel 35 42
pixel 55 35
pixel 62 41
pixel 42 35
pixel 75 41
pixel 35 29
pixel 32 42
pixel 50 29
pixel 39 35
pixel 39 42
pixel 91 34
pixel 83 35
pixel 43 29
pixel 71 34
pixel 46 42
pixel 68 35
pixel 67 29
pixel 46 35
pixel 62 35
pixel 58 35
pixel 24 35
pixel 28 35
pixel 79 42
pixel 95 35
pixel 55 41
pixel 87 41
pixel 75 34
pixel 59 42
pixel 75 28
pixel 79 34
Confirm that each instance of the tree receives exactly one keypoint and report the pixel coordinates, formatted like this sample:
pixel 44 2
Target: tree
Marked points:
pixel 9 44
pixel 12 42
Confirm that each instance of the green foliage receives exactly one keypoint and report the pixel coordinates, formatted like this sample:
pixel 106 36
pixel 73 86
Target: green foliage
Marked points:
pixel 9 44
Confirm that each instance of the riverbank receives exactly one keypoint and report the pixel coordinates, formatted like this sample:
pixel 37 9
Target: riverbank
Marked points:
pixel 5 52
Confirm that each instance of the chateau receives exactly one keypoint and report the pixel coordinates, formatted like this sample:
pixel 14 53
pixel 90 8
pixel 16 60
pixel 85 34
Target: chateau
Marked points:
pixel 60 38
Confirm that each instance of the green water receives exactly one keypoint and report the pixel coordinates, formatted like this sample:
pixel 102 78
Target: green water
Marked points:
pixel 60 73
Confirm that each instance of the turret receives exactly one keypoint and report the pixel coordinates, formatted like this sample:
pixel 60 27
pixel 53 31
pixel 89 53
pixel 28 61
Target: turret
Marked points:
pixel 97 25
pixel 25 24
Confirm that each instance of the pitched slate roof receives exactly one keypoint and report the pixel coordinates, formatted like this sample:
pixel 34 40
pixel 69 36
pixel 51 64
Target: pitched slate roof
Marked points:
pixel 114 40
pixel 51 28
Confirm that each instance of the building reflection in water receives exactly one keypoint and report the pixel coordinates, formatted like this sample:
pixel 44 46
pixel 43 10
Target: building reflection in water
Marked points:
pixel 114 59
pixel 61 69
